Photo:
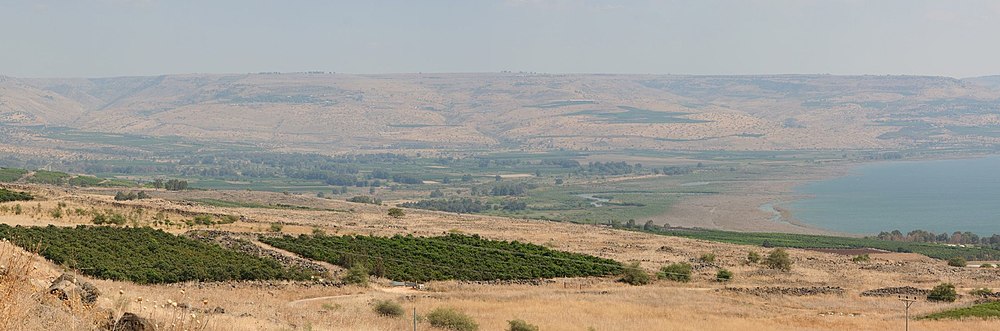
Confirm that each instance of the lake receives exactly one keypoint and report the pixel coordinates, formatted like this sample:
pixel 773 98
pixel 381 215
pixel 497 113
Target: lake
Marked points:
pixel 938 196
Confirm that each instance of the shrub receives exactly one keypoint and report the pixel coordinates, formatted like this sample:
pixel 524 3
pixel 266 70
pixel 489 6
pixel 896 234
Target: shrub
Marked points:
pixel 985 265
pixel 521 325
pixel 450 319
pixel 981 292
pixel 861 258
pixel 678 272
pixel 357 274
pixel 753 258
pixel 276 227
pixel 396 212
pixel 634 275
pixel 779 259
pixel 723 275
pixel 707 258
pixel 957 261
pixel 388 308
pixel 943 292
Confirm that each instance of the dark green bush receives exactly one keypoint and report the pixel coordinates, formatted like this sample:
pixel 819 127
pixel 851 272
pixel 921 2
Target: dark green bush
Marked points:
pixel 779 259
pixel 678 272
pixel 944 292
pixel 7 195
pixel 957 261
pixel 723 275
pixel 357 275
pixel 634 275
pixel 450 319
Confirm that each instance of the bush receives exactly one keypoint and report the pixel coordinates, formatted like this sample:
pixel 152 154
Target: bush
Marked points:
pixel 944 292
pixel 723 275
pixel 450 319
pixel 388 308
pixel 276 227
pixel 678 272
pixel 358 274
pixel 521 325
pixel 861 258
pixel 707 258
pixel 396 212
pixel 985 265
pixel 981 292
pixel 957 261
pixel 634 275
pixel 753 258
pixel 779 259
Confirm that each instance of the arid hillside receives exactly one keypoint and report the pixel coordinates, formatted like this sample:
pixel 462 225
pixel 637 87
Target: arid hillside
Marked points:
pixel 821 291
pixel 332 112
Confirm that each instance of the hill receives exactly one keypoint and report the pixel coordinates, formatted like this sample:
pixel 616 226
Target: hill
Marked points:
pixel 334 112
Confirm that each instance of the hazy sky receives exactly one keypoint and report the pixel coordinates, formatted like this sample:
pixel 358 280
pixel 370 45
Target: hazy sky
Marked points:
pixel 46 38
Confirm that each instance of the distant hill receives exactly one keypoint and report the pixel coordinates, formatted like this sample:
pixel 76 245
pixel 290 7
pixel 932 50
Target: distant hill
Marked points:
pixel 987 81
pixel 332 112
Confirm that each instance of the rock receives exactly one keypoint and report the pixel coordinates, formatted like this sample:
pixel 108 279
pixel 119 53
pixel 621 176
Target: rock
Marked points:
pixel 218 310
pixel 891 291
pixel 67 285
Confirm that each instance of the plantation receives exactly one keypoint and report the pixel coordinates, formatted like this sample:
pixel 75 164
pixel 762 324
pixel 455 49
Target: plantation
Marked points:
pixel 143 255
pixel 936 251
pixel 409 258
pixel 8 195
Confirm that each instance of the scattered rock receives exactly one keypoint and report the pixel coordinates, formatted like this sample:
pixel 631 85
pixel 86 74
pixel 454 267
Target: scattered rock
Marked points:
pixel 891 291
pixel 793 291
pixel 68 285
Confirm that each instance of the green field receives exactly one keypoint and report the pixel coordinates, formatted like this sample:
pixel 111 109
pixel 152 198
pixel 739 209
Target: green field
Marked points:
pixel 986 310
pixel 8 195
pixel 409 258
pixel 143 255
pixel 8 175
pixel 936 251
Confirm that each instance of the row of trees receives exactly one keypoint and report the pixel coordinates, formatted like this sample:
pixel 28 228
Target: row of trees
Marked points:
pixel 956 237
pixel 131 195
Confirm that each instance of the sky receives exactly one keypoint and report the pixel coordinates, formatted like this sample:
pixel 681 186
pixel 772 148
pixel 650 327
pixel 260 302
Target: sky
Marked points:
pixel 102 38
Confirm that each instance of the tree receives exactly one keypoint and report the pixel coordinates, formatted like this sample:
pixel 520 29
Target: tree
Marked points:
pixel 559 181
pixel 357 274
pixel 437 193
pixel 779 259
pixel 678 272
pixel 634 275
pixel 396 212
pixel 944 292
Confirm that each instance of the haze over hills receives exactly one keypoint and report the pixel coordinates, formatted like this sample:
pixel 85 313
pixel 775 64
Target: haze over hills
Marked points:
pixel 324 112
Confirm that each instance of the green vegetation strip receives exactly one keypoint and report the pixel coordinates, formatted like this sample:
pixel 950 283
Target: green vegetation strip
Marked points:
pixel 8 175
pixel 8 195
pixel 986 310
pixel 937 251
pixel 459 257
pixel 143 255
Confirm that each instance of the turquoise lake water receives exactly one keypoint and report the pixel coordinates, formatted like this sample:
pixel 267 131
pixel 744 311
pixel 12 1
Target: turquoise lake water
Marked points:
pixel 938 196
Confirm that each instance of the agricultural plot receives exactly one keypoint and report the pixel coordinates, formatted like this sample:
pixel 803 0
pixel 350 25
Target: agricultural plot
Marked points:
pixel 460 257
pixel 143 255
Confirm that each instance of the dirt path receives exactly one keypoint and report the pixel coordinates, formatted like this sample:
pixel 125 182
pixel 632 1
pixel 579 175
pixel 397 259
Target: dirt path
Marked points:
pixel 394 290
pixel 331 268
